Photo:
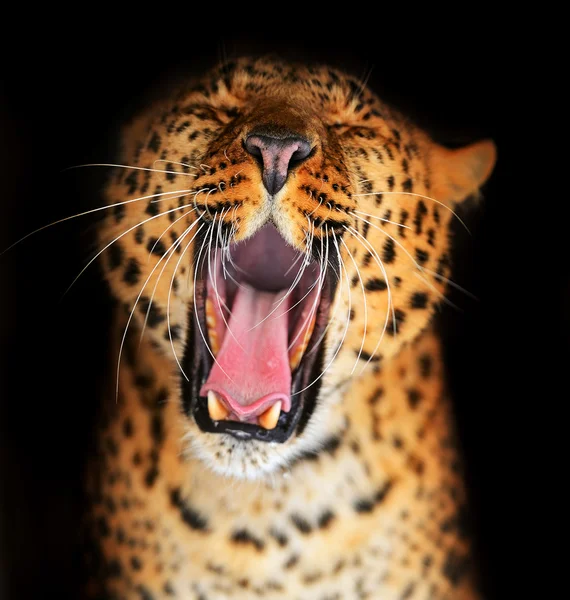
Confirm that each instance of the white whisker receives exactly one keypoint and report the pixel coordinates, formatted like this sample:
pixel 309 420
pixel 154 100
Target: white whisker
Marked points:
pixel 133 312
pixel 88 212
pixel 372 251
pixel 196 309
pixel 214 282
pixel 341 267
pixel 172 162
pixel 174 247
pixel 381 219
pixel 118 238
pixel 365 304
pixel 437 292
pixel 420 196
pixel 170 293
pixel 166 230
pixel 397 243
pixel 128 167
pixel 451 283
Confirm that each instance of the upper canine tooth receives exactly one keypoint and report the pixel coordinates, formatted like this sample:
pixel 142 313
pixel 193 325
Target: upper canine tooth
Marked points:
pixel 216 409
pixel 270 417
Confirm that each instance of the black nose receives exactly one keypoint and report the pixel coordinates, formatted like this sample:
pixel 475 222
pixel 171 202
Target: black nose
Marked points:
pixel 278 155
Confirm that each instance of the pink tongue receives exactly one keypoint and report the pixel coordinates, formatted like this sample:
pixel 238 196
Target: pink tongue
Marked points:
pixel 253 374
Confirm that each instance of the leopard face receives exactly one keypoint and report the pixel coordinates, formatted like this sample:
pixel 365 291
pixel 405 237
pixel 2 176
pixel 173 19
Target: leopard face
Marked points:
pixel 276 231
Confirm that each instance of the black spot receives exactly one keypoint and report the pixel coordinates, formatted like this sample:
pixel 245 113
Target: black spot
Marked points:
pixel 363 506
pixel 111 446
pixel 111 505
pixel 291 562
pixel 426 364
pixel 121 536
pixel 139 234
pixel 119 212
pixel 391 182
pixel 152 208
pixel 389 251
pixel 156 246
pixel 132 181
pixel 442 263
pixel 419 300
pixel 169 173
pixel 154 143
pixel 151 476
pixel 301 524
pixel 455 567
pixel 115 256
pixel 144 593
pixel 375 396
pixel 368 357
pixel 375 285
pixel 414 397
pixel 325 519
pixel 408 185
pixel 397 281
pixel 190 516
pixel 157 429
pixel 436 216
pixel 102 527
pixel 408 591
pixel 397 442
pixel 161 398
pixel 330 446
pixel 381 494
pixel 421 212
pixel 155 315
pixel 136 563
pixel 422 256
pixel 174 333
pixel 216 569
pixel 144 380
pixel 127 427
pixel 132 272
pixel 395 324
pixel 114 569
pixel 168 589
pixel 366 260
pixel 279 537
pixel 243 536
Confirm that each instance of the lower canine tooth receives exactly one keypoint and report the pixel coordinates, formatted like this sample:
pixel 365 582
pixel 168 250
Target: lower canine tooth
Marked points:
pixel 216 409
pixel 270 417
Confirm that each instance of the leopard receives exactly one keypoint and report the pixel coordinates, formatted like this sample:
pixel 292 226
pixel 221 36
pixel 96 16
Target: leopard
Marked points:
pixel 278 423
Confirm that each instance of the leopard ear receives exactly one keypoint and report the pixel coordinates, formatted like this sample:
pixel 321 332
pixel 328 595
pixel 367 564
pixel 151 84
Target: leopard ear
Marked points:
pixel 460 173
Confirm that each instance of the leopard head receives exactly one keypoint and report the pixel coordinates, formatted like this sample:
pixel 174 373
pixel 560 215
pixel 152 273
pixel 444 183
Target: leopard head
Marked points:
pixel 279 232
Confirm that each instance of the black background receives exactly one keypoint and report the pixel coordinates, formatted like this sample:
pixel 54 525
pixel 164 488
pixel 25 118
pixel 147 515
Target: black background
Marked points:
pixel 61 102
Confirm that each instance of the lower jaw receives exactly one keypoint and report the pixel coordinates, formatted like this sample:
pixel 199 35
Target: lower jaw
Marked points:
pixel 197 364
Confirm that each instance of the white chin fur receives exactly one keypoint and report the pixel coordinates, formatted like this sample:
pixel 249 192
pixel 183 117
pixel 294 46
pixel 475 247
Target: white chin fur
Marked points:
pixel 253 460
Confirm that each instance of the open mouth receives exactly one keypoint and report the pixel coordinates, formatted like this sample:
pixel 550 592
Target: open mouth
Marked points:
pixel 256 344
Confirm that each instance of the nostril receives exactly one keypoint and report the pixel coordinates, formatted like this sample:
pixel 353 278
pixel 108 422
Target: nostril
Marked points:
pixel 251 145
pixel 277 155
pixel 302 152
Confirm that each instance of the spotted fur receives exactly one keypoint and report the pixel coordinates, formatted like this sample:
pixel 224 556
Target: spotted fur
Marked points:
pixel 366 500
